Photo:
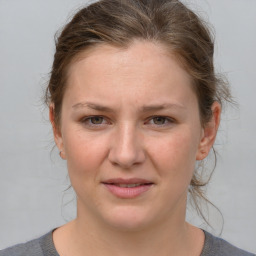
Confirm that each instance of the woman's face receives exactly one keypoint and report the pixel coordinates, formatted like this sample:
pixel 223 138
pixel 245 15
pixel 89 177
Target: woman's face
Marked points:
pixel 130 132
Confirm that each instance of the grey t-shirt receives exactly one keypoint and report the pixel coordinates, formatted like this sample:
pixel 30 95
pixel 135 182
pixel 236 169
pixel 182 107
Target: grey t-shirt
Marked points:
pixel 44 246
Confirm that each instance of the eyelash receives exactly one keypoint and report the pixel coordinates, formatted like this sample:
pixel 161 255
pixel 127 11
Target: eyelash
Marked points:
pixel 88 121
pixel 166 119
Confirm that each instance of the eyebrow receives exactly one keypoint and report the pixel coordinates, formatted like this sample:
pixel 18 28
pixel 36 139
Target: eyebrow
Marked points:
pixel 145 108
pixel 161 107
pixel 92 106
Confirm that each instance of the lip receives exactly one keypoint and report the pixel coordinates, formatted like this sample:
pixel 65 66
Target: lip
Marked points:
pixel 127 181
pixel 127 192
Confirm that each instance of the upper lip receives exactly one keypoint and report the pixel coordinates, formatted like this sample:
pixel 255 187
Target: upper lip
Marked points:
pixel 127 181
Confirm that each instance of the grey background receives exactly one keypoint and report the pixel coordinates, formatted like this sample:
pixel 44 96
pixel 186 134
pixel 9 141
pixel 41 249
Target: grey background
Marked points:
pixel 33 180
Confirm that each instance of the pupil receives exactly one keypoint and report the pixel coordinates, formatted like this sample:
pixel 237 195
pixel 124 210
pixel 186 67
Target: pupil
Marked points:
pixel 96 120
pixel 159 120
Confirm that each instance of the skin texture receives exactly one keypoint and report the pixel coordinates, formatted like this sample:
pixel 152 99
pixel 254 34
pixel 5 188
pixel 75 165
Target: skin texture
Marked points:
pixel 126 89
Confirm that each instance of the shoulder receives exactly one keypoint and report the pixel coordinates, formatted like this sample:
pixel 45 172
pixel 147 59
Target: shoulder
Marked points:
pixel 42 246
pixel 215 246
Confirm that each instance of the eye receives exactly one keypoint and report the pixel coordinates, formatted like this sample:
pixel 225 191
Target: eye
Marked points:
pixel 160 121
pixel 94 121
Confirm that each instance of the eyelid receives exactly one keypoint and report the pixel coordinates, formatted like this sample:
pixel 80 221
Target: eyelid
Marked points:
pixel 169 120
pixel 85 120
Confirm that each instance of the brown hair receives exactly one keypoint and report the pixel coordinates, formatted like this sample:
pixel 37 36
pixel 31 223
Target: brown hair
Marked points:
pixel 119 22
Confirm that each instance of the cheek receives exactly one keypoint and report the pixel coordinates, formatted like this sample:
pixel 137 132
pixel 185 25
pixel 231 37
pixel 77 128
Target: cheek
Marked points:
pixel 175 155
pixel 84 153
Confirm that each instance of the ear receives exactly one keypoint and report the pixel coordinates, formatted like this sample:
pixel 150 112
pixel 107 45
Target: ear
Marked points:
pixel 56 132
pixel 209 132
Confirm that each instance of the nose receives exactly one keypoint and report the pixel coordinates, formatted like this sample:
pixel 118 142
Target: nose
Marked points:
pixel 127 147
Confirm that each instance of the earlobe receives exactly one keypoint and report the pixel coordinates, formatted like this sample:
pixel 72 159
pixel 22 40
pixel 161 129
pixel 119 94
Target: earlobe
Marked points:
pixel 56 132
pixel 209 132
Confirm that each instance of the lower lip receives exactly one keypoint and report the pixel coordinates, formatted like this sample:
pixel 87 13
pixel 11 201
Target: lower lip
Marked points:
pixel 127 192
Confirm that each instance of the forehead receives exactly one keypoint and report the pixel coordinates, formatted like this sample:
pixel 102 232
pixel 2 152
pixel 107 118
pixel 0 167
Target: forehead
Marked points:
pixel 105 57
pixel 141 67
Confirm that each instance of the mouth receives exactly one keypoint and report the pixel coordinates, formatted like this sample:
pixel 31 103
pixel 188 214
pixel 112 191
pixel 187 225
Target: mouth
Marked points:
pixel 129 188
pixel 129 185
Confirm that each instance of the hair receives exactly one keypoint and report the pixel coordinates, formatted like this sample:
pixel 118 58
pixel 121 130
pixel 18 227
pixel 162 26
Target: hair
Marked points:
pixel 121 22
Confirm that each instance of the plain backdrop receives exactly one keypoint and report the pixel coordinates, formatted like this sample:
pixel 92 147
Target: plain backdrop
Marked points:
pixel 33 178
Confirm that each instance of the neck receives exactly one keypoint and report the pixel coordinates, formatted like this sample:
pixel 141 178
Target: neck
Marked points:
pixel 173 236
pixel 129 243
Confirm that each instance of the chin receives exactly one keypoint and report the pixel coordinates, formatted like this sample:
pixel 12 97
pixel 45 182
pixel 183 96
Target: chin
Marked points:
pixel 128 218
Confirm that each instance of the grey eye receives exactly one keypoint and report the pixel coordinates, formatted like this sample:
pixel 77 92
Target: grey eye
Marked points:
pixel 159 120
pixel 96 120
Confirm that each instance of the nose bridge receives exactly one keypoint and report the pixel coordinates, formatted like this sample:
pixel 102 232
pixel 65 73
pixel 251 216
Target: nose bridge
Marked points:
pixel 127 138
pixel 127 148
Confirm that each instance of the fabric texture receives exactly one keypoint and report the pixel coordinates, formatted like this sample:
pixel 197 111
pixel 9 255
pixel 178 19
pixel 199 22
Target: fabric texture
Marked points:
pixel 44 246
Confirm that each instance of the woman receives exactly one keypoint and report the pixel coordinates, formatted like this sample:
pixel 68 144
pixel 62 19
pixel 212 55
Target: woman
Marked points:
pixel 134 102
